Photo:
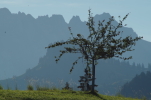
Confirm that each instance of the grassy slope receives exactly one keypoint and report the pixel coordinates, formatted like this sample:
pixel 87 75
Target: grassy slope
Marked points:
pixel 54 95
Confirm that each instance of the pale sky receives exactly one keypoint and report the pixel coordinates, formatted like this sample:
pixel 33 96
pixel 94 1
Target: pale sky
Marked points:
pixel 138 19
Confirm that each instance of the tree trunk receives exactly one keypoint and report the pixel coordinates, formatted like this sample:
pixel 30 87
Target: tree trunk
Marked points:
pixel 93 77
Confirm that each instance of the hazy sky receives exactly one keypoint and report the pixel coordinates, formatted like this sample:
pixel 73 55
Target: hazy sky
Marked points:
pixel 139 18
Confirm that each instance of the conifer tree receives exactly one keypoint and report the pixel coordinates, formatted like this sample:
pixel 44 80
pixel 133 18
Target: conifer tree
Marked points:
pixel 100 44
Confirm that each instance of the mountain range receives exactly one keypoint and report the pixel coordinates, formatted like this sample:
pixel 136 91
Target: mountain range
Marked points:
pixel 23 57
pixel 23 40
pixel 111 74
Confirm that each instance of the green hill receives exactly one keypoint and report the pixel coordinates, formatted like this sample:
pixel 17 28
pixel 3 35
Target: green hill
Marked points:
pixel 55 95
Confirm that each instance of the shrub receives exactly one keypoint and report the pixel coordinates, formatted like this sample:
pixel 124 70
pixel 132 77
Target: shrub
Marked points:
pixel 29 87
pixel 67 87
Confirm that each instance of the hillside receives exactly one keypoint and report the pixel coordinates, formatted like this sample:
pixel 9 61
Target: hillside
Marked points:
pixel 139 86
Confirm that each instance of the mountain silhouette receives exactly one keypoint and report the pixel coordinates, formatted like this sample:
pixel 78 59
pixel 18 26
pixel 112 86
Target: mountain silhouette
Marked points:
pixel 111 74
pixel 26 38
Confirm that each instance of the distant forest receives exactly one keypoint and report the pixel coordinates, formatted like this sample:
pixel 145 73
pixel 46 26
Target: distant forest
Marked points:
pixel 139 86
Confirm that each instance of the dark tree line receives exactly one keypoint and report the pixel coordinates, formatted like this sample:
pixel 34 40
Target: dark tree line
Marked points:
pixel 139 86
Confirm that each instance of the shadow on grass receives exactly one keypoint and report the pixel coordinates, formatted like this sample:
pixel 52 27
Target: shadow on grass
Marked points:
pixel 95 94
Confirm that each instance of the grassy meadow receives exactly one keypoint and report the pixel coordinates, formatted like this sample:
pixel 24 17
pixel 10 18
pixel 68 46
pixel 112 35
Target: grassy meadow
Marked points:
pixel 53 93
